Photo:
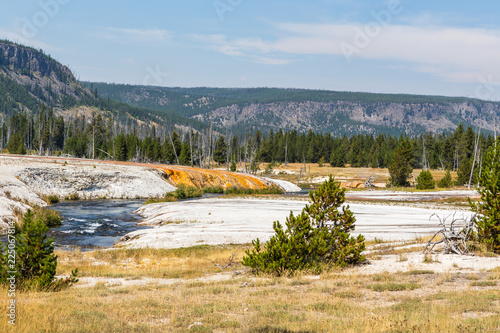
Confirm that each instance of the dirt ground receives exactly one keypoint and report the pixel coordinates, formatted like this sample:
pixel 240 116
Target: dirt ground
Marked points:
pixel 311 174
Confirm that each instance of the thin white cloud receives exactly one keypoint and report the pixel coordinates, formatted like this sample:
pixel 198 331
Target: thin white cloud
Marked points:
pixel 132 36
pixel 454 54
pixel 428 18
pixel 17 37
pixel 243 48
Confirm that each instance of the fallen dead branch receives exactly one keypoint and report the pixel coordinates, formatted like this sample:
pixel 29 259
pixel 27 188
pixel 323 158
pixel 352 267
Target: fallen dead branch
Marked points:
pixel 230 262
pixel 455 236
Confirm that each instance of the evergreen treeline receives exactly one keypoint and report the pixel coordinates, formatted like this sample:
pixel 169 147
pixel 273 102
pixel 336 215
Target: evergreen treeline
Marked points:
pixel 106 138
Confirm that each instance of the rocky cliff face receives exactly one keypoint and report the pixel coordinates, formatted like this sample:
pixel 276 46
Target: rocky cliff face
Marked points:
pixel 28 78
pixel 346 117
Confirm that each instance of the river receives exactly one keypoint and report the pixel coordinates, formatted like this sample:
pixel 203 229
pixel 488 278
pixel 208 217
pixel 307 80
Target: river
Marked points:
pixel 94 223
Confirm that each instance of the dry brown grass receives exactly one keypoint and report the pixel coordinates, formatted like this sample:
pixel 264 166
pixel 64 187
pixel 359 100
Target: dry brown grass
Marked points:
pixel 334 301
pixel 156 263
pixel 348 177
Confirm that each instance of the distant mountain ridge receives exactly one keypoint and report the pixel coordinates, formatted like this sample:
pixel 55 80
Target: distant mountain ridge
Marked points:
pixel 239 109
pixel 30 78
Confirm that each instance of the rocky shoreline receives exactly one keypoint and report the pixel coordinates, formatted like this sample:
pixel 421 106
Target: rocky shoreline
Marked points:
pixel 25 181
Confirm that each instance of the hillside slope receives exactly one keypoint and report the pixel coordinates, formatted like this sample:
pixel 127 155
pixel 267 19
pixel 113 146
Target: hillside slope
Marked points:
pixel 238 110
pixel 30 78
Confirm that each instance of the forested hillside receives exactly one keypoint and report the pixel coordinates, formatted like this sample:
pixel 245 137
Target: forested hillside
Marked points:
pixel 47 134
pixel 337 113
pixel 30 78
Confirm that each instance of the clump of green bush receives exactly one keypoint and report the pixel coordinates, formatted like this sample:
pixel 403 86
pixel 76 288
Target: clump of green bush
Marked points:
pixel 186 192
pixel 51 218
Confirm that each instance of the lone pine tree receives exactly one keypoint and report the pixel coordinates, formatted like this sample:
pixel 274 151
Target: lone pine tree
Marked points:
pixel 400 168
pixel 488 208
pixel 425 181
pixel 446 181
pixel 35 262
pixel 316 238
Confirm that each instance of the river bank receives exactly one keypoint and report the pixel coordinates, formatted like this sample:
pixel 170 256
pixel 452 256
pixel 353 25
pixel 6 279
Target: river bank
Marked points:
pixel 27 180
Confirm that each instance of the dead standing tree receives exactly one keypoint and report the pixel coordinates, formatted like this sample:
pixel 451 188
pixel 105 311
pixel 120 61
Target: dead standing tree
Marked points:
pixel 369 182
pixel 455 237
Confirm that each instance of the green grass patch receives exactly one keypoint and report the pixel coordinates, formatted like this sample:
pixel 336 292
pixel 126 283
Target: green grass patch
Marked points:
pixel 51 199
pixel 393 286
pixel 214 189
pixel 248 191
pixel 420 272
pixel 348 294
pixel 182 192
pixel 483 284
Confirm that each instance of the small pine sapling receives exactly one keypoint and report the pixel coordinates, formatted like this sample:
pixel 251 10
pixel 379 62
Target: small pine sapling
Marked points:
pixel 316 238
pixel 425 181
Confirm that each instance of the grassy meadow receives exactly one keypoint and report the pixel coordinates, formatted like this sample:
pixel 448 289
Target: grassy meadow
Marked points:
pixel 189 293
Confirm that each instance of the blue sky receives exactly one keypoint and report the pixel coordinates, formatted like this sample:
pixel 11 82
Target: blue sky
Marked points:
pixel 407 46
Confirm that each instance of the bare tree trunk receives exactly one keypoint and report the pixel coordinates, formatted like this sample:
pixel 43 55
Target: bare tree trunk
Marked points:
pixel 191 145
pixel 476 144
pixel 228 151
pixel 286 148
pixel 441 161
pixel 173 147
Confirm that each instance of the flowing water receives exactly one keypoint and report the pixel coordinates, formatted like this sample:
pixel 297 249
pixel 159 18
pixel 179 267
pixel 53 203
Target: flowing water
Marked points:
pixel 94 223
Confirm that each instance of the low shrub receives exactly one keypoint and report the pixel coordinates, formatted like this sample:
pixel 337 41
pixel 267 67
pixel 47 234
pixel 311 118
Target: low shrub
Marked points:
pixel 51 218
pixel 73 196
pixel 249 191
pixel 157 200
pixel 186 192
pixel 182 192
pixel 51 199
pixel 214 189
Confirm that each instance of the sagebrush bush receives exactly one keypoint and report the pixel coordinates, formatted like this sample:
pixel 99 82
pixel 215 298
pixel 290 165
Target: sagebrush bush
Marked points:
pixel 316 238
